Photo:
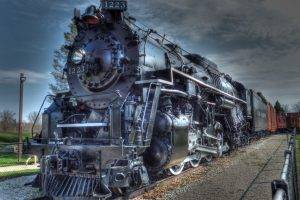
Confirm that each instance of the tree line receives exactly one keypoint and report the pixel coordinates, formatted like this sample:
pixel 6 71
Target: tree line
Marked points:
pixel 9 123
pixel 285 108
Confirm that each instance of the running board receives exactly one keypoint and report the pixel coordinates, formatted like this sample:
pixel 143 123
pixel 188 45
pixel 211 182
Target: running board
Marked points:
pixel 207 149
pixel 82 125
pixel 213 150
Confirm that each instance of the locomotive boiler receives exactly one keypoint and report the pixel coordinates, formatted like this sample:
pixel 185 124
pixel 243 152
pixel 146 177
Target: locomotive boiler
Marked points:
pixel 139 106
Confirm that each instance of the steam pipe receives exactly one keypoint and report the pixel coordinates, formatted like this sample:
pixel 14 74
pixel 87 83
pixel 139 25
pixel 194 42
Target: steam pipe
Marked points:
pixel 216 90
pixel 181 93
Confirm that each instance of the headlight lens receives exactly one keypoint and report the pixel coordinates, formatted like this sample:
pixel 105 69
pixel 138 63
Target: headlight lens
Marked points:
pixel 78 56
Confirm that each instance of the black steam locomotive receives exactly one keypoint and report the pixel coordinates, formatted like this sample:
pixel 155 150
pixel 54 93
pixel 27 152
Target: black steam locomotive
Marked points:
pixel 138 106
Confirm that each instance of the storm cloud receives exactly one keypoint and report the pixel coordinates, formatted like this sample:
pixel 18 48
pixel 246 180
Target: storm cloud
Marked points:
pixel 257 42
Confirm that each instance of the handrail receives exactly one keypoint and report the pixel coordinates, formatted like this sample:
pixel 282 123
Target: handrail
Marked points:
pixel 214 89
pixel 145 108
pixel 34 123
pixel 287 186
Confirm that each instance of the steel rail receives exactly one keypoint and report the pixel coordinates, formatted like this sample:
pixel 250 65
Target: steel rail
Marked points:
pixel 199 82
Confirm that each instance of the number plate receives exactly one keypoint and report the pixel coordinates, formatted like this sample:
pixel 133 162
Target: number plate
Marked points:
pixel 74 70
pixel 114 5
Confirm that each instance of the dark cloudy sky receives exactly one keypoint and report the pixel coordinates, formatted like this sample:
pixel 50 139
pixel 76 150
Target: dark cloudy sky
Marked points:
pixel 257 41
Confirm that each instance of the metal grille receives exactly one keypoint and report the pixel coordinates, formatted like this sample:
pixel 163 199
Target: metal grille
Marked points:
pixel 287 186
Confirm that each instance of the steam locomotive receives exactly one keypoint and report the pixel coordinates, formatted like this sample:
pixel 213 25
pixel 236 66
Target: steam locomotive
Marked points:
pixel 139 106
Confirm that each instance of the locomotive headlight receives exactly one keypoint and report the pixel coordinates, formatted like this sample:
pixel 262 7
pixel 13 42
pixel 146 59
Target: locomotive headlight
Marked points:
pixel 78 56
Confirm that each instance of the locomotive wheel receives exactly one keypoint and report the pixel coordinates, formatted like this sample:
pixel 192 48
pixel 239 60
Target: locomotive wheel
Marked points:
pixel 177 169
pixel 208 158
pixel 119 191
pixel 195 163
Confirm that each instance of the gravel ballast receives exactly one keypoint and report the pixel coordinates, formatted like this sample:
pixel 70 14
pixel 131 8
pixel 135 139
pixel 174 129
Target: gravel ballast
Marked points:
pixel 14 189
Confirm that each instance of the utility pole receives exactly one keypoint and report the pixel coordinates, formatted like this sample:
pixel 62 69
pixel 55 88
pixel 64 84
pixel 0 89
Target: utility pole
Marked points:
pixel 20 130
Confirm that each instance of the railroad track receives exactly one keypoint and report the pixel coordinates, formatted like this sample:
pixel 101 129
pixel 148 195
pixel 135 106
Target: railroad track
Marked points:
pixel 148 188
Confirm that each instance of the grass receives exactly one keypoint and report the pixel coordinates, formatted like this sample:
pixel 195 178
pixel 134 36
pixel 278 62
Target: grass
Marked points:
pixel 8 159
pixel 11 159
pixel 298 150
pixel 8 175
pixel 11 137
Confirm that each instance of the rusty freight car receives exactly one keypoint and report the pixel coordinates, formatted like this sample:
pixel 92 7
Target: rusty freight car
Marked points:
pixel 272 118
pixel 293 120
pixel 281 121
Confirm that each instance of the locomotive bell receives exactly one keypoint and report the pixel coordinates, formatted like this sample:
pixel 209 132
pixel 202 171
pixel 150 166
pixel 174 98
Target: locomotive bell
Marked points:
pixel 90 16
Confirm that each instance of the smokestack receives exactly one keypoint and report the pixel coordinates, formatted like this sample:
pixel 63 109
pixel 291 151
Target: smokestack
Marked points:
pixel 115 7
